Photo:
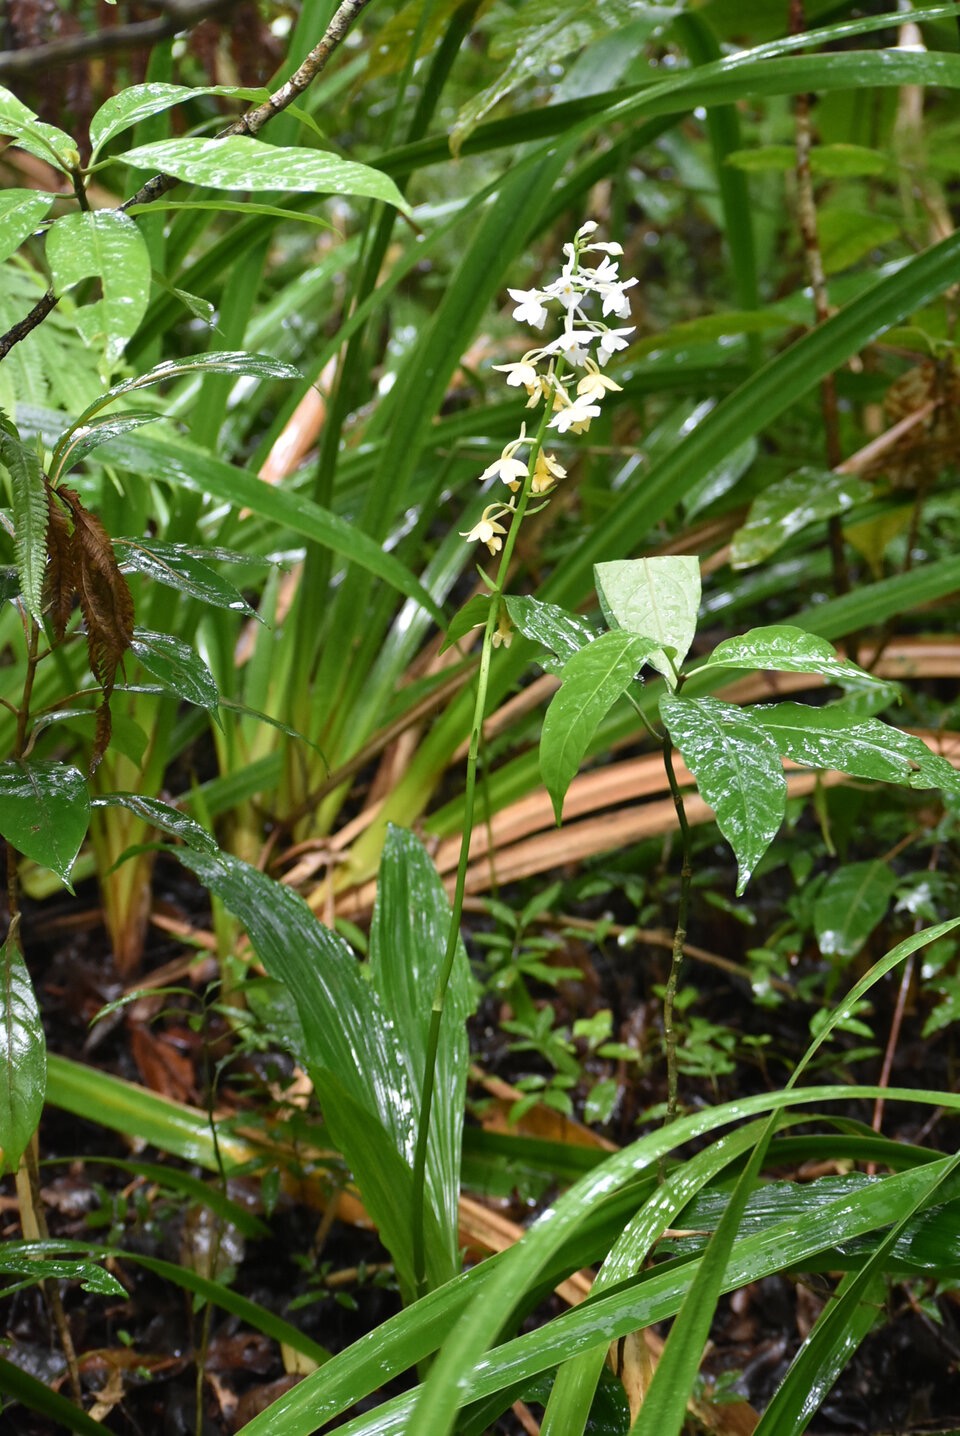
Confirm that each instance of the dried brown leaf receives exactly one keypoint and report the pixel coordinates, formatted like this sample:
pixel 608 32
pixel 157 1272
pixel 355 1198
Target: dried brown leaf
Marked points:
pixel 60 582
pixel 105 598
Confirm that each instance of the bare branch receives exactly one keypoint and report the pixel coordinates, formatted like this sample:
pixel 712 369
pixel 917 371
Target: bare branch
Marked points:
pixel 250 123
pixel 177 15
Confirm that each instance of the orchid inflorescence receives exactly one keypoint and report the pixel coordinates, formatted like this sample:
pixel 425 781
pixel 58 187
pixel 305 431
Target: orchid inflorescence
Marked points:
pixel 579 287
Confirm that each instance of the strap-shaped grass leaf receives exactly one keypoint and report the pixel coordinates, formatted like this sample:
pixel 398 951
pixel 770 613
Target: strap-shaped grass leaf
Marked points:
pixel 107 246
pixel 656 597
pixel 23 1070
pixel 851 903
pixel 832 737
pixel 29 504
pixel 26 1259
pixel 351 1049
pixel 239 162
pixel 564 633
pixel 163 817
pixel 21 210
pixel 408 937
pixel 178 567
pixel 140 102
pixel 738 772
pixel 788 507
pixel 30 133
pixel 787 650
pixel 44 812
pixel 177 666
pixel 593 679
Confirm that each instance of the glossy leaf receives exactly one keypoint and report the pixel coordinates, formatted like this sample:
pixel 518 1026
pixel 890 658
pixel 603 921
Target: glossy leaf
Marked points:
pixel 29 504
pixel 29 133
pixel 472 615
pixel 408 938
pixel 178 567
pixel 784 649
pixel 240 162
pixel 44 812
pixel 21 211
pixel 23 1069
pixel 548 624
pixel 140 102
pixel 788 507
pixel 850 905
pixel 34 1395
pixel 220 361
pixel 161 816
pixel 176 666
pixel 350 1047
pixel 738 772
pixel 657 598
pixel 104 245
pixel 592 681
pixel 77 443
pixel 27 1259
pixel 832 737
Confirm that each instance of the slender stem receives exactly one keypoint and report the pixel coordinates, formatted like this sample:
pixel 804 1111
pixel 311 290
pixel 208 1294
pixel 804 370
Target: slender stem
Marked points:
pixel 679 936
pixel 453 936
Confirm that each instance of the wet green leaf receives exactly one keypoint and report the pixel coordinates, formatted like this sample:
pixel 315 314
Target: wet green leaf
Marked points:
pixel 161 816
pixel 44 812
pixel 738 772
pixel 175 664
pixel 178 567
pixel 833 737
pixel 850 905
pixel 657 598
pixel 104 245
pixel 223 361
pixel 472 615
pixel 786 508
pixel 23 1069
pixel 139 102
pixel 21 210
pixel 785 650
pixel 239 162
pixel 563 633
pixel 26 1259
pixel 593 679
pixel 30 133
pixel 80 441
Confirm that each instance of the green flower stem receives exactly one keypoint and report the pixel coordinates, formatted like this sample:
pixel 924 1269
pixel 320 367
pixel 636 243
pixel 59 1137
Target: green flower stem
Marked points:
pixel 443 977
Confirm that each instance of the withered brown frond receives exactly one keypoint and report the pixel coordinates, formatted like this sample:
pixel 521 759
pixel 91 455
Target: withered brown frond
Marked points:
pixel 81 561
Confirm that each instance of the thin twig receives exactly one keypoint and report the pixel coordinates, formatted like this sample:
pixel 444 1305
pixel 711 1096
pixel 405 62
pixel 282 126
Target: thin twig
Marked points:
pixel 38 59
pixel 250 123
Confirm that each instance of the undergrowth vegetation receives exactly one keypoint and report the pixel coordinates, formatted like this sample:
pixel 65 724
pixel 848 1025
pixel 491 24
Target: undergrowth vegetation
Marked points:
pixel 478 737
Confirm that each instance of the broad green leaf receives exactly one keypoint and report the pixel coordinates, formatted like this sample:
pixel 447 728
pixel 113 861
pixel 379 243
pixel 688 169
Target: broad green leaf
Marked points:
pixel 850 905
pixel 408 938
pixel 30 514
pixel 846 235
pixel 784 649
pixel 31 134
pixel 239 162
pixel 788 507
pixel 44 812
pixel 176 666
pixel 657 598
pixel 550 625
pixel 82 439
pixel 833 737
pixel 350 1048
pixel 26 1259
pixel 738 772
pixel 139 102
pixel 592 681
pixel 178 567
pixel 161 816
pixel 21 210
pixel 472 615
pixel 259 366
pixel 23 1062
pixel 835 161
pixel 104 245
